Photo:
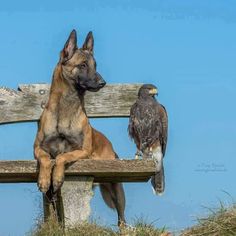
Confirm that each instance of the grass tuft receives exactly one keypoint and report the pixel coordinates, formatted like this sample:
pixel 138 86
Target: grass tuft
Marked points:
pixel 52 228
pixel 220 222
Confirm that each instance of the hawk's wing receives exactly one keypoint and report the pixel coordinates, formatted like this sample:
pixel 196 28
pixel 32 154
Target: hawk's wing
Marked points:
pixel 132 124
pixel 144 123
pixel 164 133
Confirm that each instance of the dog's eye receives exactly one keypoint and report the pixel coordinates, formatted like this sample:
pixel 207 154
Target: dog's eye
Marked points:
pixel 82 66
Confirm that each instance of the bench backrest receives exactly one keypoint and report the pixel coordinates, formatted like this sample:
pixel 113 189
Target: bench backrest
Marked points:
pixel 28 102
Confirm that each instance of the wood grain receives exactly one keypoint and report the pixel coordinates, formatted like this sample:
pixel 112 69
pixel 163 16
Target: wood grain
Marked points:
pixel 27 104
pixel 101 170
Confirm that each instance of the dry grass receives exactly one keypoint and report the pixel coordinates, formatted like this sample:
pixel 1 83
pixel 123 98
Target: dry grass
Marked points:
pixel 220 222
pixel 52 228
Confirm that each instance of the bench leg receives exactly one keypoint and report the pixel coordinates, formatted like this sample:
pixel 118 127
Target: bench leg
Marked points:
pixel 73 201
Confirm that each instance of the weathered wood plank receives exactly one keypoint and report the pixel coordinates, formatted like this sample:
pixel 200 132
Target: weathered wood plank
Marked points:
pixel 101 170
pixel 26 104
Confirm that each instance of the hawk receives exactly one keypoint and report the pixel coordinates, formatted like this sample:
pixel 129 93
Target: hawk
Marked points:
pixel 148 127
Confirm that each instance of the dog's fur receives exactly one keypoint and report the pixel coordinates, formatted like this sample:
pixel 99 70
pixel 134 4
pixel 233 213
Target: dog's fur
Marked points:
pixel 64 132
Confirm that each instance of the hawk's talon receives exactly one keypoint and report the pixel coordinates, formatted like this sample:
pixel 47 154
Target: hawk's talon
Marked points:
pixel 138 155
pixel 150 155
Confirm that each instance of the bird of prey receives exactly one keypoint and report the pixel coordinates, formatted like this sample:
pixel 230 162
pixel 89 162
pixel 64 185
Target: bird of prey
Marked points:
pixel 148 127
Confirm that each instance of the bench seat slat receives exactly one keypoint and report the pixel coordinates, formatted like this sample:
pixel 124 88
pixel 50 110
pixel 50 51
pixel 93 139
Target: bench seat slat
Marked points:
pixel 101 170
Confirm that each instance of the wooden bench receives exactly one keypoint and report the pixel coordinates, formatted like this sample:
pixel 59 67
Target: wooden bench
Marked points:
pixel 73 204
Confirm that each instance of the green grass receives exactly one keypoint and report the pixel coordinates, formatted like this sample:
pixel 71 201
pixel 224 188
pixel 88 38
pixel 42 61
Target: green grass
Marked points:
pixel 52 228
pixel 220 222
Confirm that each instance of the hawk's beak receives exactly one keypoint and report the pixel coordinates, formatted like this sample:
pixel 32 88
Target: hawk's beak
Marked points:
pixel 153 91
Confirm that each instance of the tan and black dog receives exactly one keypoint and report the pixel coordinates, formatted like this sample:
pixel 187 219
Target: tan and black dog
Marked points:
pixel 64 132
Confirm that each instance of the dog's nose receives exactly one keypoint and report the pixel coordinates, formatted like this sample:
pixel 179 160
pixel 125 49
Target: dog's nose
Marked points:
pixel 100 80
pixel 102 83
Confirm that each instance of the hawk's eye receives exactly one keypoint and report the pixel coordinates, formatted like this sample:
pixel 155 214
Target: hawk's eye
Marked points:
pixel 82 66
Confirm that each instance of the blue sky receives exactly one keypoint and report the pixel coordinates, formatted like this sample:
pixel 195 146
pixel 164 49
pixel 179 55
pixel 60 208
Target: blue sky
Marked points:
pixel 187 48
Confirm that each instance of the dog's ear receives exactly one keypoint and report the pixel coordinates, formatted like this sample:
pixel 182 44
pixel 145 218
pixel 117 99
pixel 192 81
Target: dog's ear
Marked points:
pixel 88 43
pixel 70 47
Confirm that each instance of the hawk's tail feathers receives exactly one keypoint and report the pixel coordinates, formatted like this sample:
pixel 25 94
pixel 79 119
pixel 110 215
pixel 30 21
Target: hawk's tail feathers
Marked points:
pixel 158 182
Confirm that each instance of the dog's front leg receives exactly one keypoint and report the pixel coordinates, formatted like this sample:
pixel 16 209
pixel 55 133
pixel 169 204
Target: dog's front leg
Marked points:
pixel 45 168
pixel 61 161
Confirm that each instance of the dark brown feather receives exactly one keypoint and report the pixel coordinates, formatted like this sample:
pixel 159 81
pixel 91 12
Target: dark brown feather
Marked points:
pixel 148 123
pixel 164 122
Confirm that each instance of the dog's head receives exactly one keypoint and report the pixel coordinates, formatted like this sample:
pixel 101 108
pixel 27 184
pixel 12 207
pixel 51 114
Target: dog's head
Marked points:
pixel 79 65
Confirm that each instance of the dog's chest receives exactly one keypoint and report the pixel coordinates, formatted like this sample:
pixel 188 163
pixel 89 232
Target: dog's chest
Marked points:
pixel 67 133
pixel 58 143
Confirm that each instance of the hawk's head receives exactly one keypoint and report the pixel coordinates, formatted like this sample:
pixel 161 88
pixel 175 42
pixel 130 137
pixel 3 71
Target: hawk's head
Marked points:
pixel 147 90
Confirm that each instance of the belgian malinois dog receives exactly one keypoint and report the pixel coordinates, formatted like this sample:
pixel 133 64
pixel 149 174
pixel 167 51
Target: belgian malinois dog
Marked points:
pixel 64 132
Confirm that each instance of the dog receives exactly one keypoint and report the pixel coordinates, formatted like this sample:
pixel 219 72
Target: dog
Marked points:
pixel 64 132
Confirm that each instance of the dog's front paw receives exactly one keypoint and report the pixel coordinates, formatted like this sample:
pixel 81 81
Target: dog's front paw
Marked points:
pixel 44 178
pixel 57 183
pixel 44 183
pixel 58 177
